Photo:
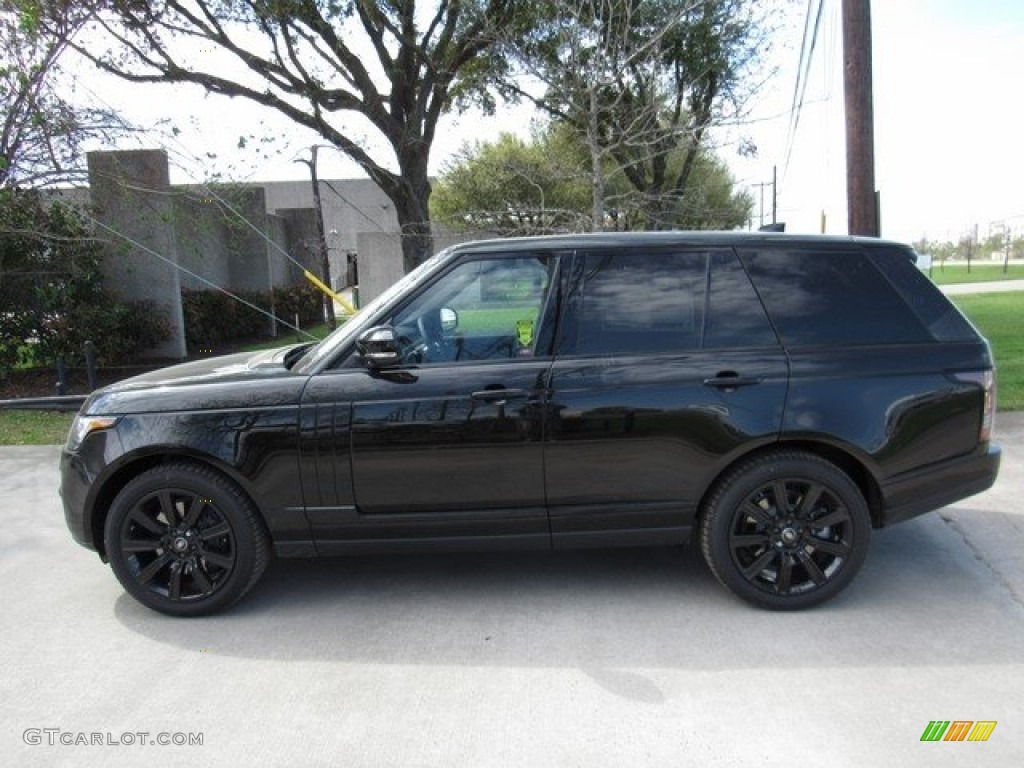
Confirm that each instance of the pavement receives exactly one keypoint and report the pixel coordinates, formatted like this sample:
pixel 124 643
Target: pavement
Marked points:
pixel 996 286
pixel 604 658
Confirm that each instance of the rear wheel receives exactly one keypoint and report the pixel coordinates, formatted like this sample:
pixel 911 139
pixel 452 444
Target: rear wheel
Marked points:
pixel 184 540
pixel 785 531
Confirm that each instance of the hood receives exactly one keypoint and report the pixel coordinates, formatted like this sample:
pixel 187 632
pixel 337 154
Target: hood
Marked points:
pixel 244 379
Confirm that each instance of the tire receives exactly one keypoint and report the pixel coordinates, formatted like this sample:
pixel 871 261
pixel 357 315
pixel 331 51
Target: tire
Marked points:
pixel 184 540
pixel 790 555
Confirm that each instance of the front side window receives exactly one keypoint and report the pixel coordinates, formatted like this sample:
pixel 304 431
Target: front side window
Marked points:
pixel 484 309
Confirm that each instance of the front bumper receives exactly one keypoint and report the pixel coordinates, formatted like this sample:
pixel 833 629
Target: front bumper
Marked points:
pixel 75 482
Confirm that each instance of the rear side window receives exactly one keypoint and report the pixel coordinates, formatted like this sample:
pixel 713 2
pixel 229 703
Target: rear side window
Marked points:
pixel 634 302
pixel 831 297
pixel 934 310
pixel 736 318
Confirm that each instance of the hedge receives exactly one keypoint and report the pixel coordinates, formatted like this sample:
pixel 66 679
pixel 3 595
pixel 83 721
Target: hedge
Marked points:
pixel 212 317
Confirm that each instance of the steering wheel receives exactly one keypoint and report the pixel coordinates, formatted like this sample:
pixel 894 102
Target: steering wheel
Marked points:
pixel 432 345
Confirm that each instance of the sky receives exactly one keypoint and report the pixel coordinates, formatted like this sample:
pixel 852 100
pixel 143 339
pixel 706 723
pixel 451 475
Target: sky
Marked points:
pixel 948 117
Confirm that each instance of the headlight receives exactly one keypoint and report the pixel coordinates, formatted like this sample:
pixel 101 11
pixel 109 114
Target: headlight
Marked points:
pixel 83 426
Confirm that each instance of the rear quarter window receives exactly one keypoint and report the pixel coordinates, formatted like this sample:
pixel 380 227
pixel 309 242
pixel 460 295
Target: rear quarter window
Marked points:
pixel 937 313
pixel 829 296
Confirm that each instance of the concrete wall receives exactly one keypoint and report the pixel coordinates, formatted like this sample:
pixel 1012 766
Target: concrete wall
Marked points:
pixel 300 228
pixel 130 193
pixel 282 271
pixel 203 233
pixel 380 259
pixel 350 206
pixel 247 247
pixel 202 240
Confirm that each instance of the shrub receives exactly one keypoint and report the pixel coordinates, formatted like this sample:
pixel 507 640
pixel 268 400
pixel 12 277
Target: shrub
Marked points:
pixel 51 290
pixel 212 317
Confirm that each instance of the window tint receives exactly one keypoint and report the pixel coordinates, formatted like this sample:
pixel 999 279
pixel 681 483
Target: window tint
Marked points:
pixel 735 315
pixel 633 302
pixel 922 296
pixel 830 297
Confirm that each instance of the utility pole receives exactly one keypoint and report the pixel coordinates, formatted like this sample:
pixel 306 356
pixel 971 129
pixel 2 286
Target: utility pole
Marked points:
pixel 775 195
pixel 325 262
pixel 775 206
pixel 861 202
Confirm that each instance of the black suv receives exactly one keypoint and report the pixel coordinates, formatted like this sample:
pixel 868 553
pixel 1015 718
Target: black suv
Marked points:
pixel 779 395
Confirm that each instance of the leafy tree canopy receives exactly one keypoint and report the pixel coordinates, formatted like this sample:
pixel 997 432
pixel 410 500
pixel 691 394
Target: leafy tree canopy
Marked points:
pixel 41 133
pixel 512 186
pixel 642 81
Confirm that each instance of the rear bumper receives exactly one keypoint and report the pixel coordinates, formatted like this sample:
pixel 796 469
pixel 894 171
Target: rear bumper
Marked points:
pixel 914 493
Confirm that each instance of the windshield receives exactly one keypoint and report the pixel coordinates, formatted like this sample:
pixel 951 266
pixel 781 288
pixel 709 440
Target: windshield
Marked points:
pixel 362 319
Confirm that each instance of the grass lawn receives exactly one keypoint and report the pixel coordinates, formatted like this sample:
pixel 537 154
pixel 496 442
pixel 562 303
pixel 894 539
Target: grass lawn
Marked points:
pixel 34 427
pixel 984 272
pixel 999 316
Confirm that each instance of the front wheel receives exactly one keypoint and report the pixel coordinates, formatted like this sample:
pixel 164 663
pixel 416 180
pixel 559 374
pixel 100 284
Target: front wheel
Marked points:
pixel 184 540
pixel 786 530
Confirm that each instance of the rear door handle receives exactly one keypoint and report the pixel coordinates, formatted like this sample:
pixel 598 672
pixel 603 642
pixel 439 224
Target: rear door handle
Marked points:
pixel 730 380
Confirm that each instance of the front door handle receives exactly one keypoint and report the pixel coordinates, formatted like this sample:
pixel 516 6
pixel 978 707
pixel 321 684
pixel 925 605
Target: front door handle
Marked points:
pixel 491 395
pixel 730 380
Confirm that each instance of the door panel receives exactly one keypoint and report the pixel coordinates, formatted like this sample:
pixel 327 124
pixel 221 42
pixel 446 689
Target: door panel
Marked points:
pixel 667 368
pixel 445 449
pixel 636 440
pixel 454 439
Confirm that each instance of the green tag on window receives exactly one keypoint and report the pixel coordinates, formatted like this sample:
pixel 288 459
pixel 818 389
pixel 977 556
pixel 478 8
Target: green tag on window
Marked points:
pixel 524 332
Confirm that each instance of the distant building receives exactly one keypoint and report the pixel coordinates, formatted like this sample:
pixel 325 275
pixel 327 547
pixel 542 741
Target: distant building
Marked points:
pixel 241 237
pixel 252 237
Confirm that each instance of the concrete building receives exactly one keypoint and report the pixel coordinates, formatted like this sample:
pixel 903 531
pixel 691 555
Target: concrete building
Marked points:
pixel 248 237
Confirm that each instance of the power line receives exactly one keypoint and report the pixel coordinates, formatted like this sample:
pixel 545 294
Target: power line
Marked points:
pixel 802 76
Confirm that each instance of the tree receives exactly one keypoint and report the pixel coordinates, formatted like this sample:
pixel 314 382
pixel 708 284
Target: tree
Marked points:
pixel 641 81
pixel 515 187
pixel 334 67
pixel 41 133
pixel 511 186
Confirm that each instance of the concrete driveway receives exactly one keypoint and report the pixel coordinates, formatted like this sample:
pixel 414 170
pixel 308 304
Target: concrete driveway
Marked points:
pixel 615 658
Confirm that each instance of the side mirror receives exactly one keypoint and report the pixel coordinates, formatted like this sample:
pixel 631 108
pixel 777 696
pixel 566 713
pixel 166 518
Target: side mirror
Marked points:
pixel 449 319
pixel 379 348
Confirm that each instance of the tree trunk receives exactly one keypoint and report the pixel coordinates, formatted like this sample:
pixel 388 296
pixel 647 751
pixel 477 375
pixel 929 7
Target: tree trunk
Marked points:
pixel 417 244
pixel 596 169
pixel 412 207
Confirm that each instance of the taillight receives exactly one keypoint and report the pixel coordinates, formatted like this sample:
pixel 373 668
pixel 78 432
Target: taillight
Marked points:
pixel 987 381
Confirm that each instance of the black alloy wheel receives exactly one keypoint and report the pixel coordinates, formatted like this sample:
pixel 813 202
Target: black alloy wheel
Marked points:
pixel 184 540
pixel 786 530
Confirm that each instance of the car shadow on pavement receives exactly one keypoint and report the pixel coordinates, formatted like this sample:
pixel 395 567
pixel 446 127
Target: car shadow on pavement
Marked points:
pixel 922 598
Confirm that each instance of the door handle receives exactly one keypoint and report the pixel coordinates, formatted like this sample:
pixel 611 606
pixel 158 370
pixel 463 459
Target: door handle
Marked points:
pixel 490 395
pixel 730 380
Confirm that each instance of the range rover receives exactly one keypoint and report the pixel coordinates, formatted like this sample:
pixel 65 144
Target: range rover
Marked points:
pixel 773 398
